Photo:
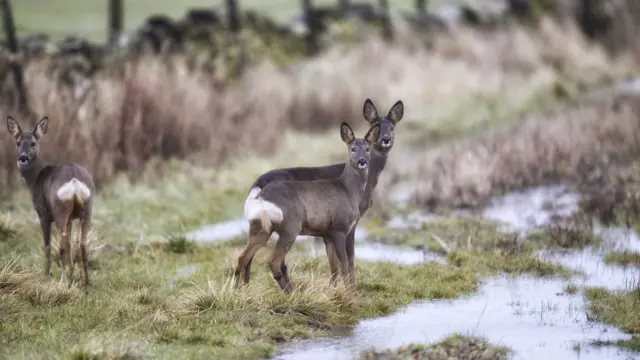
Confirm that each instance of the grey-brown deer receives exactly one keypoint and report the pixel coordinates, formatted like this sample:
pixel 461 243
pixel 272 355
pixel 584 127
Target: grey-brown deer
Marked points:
pixel 379 156
pixel 327 208
pixel 60 194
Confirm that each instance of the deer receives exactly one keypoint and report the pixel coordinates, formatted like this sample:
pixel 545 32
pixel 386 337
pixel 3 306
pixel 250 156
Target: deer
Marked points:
pixel 59 193
pixel 379 155
pixel 327 208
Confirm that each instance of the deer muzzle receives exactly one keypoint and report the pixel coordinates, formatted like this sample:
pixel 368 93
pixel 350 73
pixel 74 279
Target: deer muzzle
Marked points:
pixel 386 141
pixel 362 163
pixel 23 159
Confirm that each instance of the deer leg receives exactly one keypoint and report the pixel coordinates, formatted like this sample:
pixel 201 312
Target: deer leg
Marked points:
pixel 277 264
pixel 85 224
pixel 333 260
pixel 45 225
pixel 257 239
pixel 340 246
pixel 64 246
pixel 351 239
pixel 72 261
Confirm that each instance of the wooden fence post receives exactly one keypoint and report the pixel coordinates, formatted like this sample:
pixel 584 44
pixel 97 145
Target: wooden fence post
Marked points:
pixel 421 6
pixel 116 22
pixel 233 16
pixel 311 20
pixel 343 5
pixel 387 31
pixel 14 63
pixel 235 27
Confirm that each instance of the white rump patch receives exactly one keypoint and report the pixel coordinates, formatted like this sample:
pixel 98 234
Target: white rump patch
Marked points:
pixel 72 189
pixel 253 208
pixel 253 193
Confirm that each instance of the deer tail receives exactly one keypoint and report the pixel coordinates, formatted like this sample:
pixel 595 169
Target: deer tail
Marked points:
pixel 265 222
pixel 74 189
pixel 264 211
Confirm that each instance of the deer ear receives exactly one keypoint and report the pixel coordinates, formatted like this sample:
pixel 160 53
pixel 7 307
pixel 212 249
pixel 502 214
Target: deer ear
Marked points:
pixel 396 112
pixel 369 111
pixel 41 127
pixel 13 127
pixel 373 135
pixel 346 133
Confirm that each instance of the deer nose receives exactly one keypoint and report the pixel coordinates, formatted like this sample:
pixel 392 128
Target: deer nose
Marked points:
pixel 23 158
pixel 386 140
pixel 362 163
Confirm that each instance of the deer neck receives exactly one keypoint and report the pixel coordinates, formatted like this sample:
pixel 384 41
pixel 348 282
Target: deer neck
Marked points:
pixel 31 174
pixel 354 180
pixel 376 165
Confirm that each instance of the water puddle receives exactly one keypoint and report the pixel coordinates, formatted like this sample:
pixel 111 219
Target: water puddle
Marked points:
pixel 383 252
pixel 396 254
pixel 532 316
pixel 532 208
pixel 230 229
pixel 414 220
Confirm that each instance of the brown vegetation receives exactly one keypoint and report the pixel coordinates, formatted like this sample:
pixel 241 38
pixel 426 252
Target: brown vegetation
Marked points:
pixel 566 144
pixel 159 108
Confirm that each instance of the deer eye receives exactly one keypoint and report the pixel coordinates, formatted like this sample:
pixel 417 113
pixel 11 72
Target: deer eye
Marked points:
pixel 353 149
pixel 367 149
pixel 17 143
pixel 33 144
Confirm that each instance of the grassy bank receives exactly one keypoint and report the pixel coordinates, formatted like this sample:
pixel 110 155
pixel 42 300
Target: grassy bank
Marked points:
pixel 618 308
pixel 456 346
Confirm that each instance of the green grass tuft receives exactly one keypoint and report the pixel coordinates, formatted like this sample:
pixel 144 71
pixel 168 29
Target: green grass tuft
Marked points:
pixel 623 258
pixel 179 244
pixel 618 308
pixel 456 346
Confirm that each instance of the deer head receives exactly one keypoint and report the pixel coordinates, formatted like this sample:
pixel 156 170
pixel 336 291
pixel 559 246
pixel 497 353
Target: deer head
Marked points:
pixel 27 148
pixel 387 123
pixel 359 148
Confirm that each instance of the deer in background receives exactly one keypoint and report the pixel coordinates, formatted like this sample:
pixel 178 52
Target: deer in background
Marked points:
pixel 328 208
pixel 379 156
pixel 60 194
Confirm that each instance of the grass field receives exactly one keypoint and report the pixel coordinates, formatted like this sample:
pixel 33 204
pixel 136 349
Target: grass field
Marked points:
pixel 157 295
pixel 163 299
pixel 89 18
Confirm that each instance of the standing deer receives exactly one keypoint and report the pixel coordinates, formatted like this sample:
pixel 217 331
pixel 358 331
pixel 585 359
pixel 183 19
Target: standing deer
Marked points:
pixel 328 208
pixel 379 156
pixel 60 194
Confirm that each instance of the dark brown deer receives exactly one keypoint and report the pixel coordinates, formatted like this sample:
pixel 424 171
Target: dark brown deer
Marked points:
pixel 379 156
pixel 327 208
pixel 60 194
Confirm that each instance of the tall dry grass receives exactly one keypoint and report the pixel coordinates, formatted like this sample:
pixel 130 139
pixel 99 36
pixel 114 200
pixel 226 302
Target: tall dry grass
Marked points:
pixel 159 108
pixel 565 145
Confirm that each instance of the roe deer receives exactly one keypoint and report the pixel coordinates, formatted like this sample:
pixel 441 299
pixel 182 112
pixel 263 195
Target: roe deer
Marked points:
pixel 60 194
pixel 379 156
pixel 327 208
